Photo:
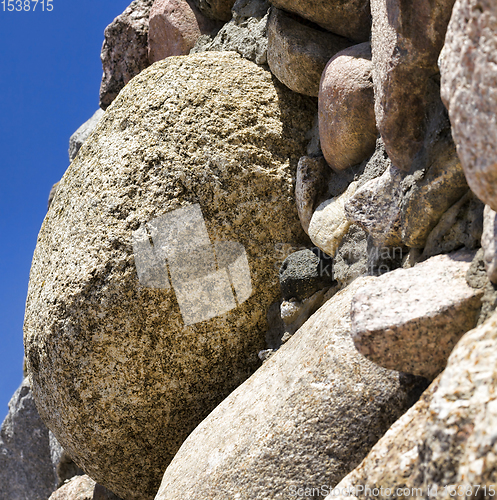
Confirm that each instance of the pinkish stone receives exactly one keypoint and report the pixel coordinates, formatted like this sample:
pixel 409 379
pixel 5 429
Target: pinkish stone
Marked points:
pixel 174 27
pixel 347 127
pixel 410 319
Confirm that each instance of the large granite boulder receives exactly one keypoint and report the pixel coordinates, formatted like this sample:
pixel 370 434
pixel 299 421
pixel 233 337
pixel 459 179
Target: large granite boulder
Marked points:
pixel 347 18
pixel 468 66
pixel 124 365
pixel 125 49
pixel 297 53
pixel 215 9
pixel 305 418
pixel 406 41
pixel 444 446
pixel 347 127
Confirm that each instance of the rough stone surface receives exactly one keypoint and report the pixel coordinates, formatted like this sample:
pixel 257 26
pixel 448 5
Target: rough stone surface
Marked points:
pixel 410 319
pixel 79 488
pixel 102 493
pixel 306 417
pixel 119 377
pixel 347 126
pixel 174 28
pixel 328 224
pixel 460 226
pixel 376 208
pixel 125 49
pixel 26 469
pixel 297 53
pixel 215 9
pixel 437 181
pixel 406 40
pixel 347 18
pixel 310 186
pixel 245 33
pixel 468 66
pixel 305 272
pixel 447 437
pixel 79 137
pixel 489 243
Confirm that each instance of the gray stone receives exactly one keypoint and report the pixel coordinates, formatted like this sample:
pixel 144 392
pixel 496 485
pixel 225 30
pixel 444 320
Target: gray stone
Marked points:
pixel 83 132
pixel 489 243
pixel 122 368
pixel 125 49
pixel 63 464
pixel 468 66
pixel 215 9
pixel 477 277
pixel 376 208
pixel 245 33
pixel 174 28
pixel 26 469
pixel 406 40
pixel 298 53
pixel 436 184
pixel 347 127
pixel 310 186
pixel 410 319
pixel 445 442
pixel 51 195
pixel 306 417
pixel 304 273
pixel 347 18
pixel 460 226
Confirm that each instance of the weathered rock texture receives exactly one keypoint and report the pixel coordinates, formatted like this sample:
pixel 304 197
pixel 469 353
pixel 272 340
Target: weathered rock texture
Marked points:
pixel 406 40
pixel 468 66
pixel 489 243
pixel 305 272
pixel 447 438
pixel 174 28
pixel 26 469
pixel 348 18
pixel 298 53
pixel 305 418
pixel 216 9
pixel 79 488
pixel 410 319
pixel 125 49
pixel 328 224
pixel 460 226
pixel 436 182
pixel 347 127
pixel 79 137
pixel 245 33
pixel 376 208
pixel 310 186
pixel 118 376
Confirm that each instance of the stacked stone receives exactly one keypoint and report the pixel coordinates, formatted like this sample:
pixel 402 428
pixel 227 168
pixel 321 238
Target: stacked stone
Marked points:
pixel 338 237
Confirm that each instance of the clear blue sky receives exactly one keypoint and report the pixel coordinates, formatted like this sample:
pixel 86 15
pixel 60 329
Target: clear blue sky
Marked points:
pixel 50 75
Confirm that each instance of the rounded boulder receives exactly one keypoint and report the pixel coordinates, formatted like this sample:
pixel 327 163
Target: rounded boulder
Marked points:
pixel 156 264
pixel 347 127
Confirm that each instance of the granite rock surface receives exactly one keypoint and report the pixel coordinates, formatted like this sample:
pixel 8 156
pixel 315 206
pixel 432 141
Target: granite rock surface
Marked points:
pixel 124 365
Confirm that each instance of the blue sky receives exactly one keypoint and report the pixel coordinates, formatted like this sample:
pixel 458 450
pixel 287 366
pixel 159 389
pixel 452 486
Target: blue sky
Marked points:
pixel 50 74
